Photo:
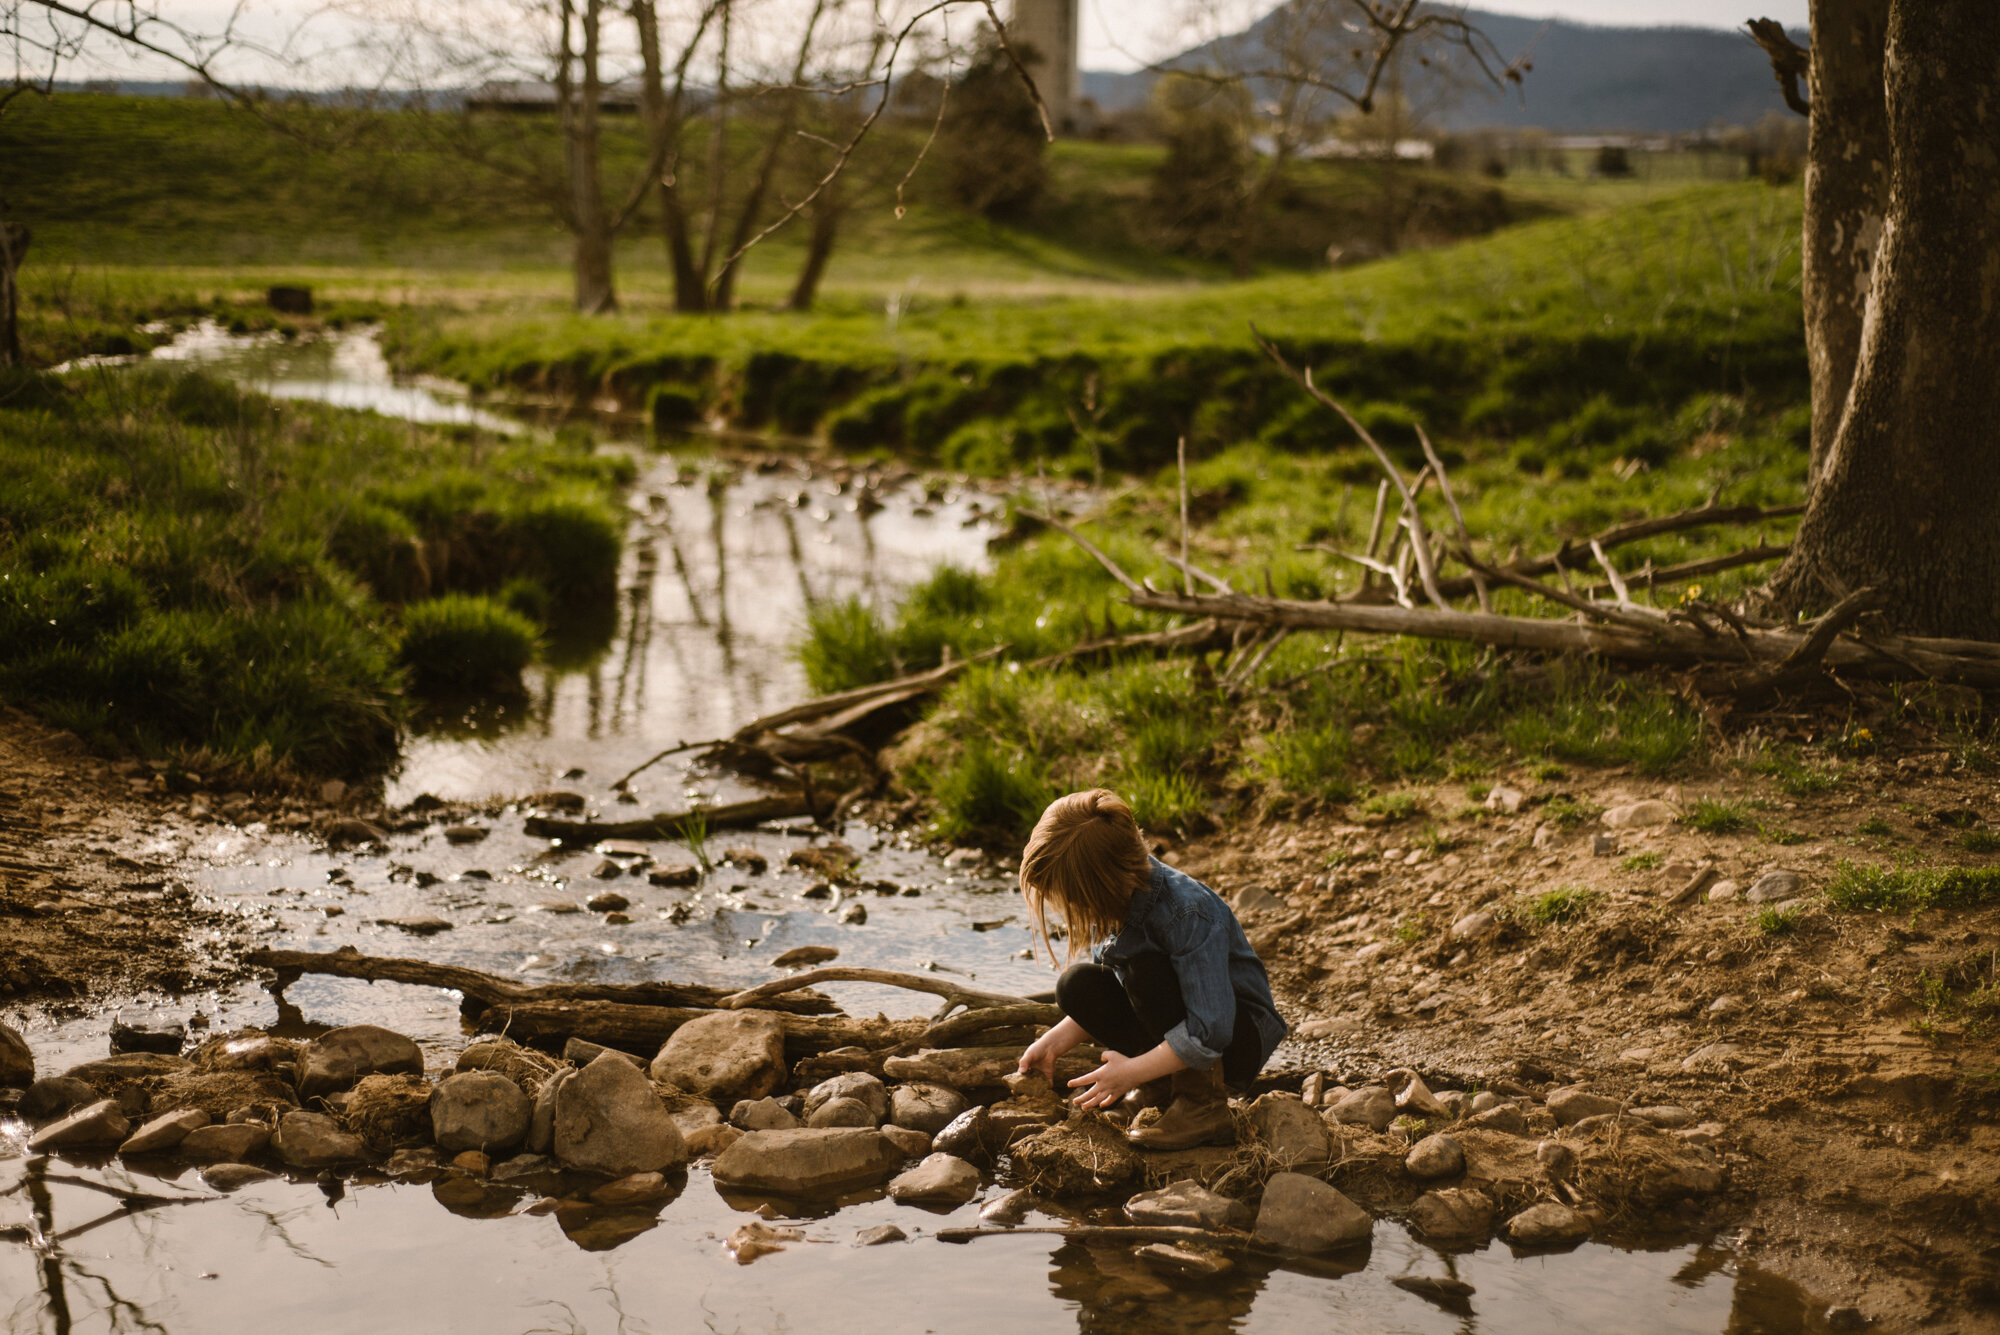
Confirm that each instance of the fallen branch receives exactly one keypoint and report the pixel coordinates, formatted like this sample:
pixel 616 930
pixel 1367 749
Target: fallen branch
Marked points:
pixel 1129 1233
pixel 954 995
pixel 840 700
pixel 643 1028
pixel 1571 554
pixel 947 1033
pixel 669 825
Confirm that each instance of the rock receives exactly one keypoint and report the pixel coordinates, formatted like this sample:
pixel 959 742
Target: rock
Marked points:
pixel 1546 1225
pixel 556 799
pixel 542 1126
pixel 1723 891
pixel 352 830
pixel 708 1141
pixel 607 1119
pixel 390 1112
pixel 632 1189
pixel 1507 801
pixel 1775 885
pixel 417 926
pixel 765 1114
pixel 333 792
pixel 971 1135
pixel 337 1059
pixel 1435 1156
pixel 972 1068
pixel 693 1116
pixel 913 1144
pixel 1726 1005
pixel 856 1085
pixel 230 1176
pixel 1556 1159
pixel 225 1143
pixel 244 1050
pixel 941 1179
pixel 1373 1107
pixel 314 1140
pixel 1634 814
pixel 17 1063
pixel 1187 1205
pixel 107 1073
pixel 1475 926
pixel 1604 845
pixel 754 1239
pixel 1505 1117
pixel 683 873
pixel 1667 1117
pixel 1573 1105
pixel 479 1110
pixel 807 1161
pixel 1414 1097
pixel 607 903
pixel 476 1162
pixel 1085 1154
pixel 1292 1133
pixel 1008 1209
pixel 164 1132
pixel 1454 1213
pixel 876 1236
pixel 140 1031
pixel 1180 1259
pixel 1453 1101
pixel 925 1107
pixel 524 1066
pixel 94 1124
pixel 1303 1214
pixel 800 956
pixel 55 1096
pixel 725 1056
pixel 749 859
pixel 607 870
pixel 854 914
pixel 413 1163
pixel 842 1112
pixel 465 834
pixel 1483 1100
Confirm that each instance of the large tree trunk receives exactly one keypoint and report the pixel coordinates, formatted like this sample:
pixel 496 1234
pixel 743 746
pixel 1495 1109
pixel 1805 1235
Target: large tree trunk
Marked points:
pixel 1907 498
pixel 13 246
pixel 1847 195
pixel 580 112
pixel 825 213
pixel 664 124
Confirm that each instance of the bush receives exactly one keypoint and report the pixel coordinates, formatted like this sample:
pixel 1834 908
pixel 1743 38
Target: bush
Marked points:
pixel 465 644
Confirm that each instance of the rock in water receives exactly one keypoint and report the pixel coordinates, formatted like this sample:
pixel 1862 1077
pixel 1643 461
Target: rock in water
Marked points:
pixel 608 1119
pixel 542 1125
pixel 941 1179
pixel 632 1190
pixel 712 1140
pixel 1085 1154
pixel 800 956
pixel 876 1236
pixel 140 1031
pixel 1373 1107
pixel 230 1176
pixel 99 1123
pixel 337 1059
pixel 164 1132
pixel 479 1110
pixel 858 1086
pixel 314 1140
pixel 1435 1156
pixel 807 1162
pixel 925 1107
pixel 1569 1106
pixel 765 1114
pixel 912 1144
pixel 390 1112
pixel 1303 1214
pixel 725 1056
pixel 1295 1135
pixel 1187 1205
pixel 1453 1213
pixel 1547 1225
pixel 227 1143
pixel 971 1135
pixel 55 1096
pixel 843 1112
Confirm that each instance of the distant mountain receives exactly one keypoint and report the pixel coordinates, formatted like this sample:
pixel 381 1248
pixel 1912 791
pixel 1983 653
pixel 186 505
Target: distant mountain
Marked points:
pixel 1585 78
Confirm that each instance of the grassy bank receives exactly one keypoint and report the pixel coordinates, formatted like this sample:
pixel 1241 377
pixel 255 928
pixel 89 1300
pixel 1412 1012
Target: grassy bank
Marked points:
pixel 201 573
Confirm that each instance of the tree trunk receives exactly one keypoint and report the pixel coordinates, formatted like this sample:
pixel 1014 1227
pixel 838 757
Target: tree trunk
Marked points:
pixel 819 250
pixel 1847 194
pixel 663 126
pixel 580 111
pixel 1906 498
pixel 13 246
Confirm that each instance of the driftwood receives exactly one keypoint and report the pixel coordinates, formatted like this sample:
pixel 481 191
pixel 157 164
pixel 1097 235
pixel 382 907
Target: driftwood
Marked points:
pixel 1122 1233
pixel 954 995
pixel 485 990
pixel 670 825
pixel 643 1028
pixel 974 1023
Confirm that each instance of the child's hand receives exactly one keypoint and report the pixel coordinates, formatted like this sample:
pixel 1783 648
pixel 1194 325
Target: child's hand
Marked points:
pixel 1109 1082
pixel 1040 1056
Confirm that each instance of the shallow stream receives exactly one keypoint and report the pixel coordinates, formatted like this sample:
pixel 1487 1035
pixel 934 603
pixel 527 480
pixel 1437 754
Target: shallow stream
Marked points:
pixel 722 565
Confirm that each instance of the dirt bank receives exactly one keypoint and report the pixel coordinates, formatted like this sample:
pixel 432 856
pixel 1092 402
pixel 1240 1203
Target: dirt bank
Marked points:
pixel 1851 1056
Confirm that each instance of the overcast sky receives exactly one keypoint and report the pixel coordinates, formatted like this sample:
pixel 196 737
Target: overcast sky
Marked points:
pixel 1122 34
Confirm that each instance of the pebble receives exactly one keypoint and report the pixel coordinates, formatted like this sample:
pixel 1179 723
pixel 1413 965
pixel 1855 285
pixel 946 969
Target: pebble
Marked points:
pixel 1474 926
pixel 164 1132
pixel 314 1140
pixel 765 1114
pixel 1507 801
pixel 559 907
pixel 1723 891
pixel 1557 1159
pixel 941 1179
pixel 476 1162
pixel 631 1189
pixel 1573 1105
pixel 726 1055
pixel 749 859
pixel 680 874
pixel 416 926
pixel 708 1141
pixel 1415 1096
pixel 607 870
pixel 465 834
pixel 139 1031
pixel 1188 1204
pixel 1435 1156
pixel 881 1233
pixel 1775 885
pixel 1668 1117
pixel 225 1143
pixel 608 902
pixel 1373 1107
pixel 1185 1260
pixel 1453 1213
pixel 230 1176
pixel 1484 1100
pixel 925 1107
pixel 800 956
pixel 1547 1225
pixel 855 914
pixel 1010 1209
pixel 17 1062
pixel 912 1143
pixel 1725 1005
pixel 555 799
pixel 99 1123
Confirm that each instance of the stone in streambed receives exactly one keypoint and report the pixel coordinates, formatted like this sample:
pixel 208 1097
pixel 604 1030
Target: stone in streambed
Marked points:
pixel 230 1176
pixel 1569 1106
pixel 843 1112
pixel 1453 1214
pixel 807 1161
pixel 1547 1225
pixel 1435 1156
pixel 912 1144
pixel 17 1063
pixel 314 1140
pixel 542 1124
pixel 765 1114
pixel 164 1132
pixel 55 1096
pixel 941 1179
pixel 725 1056
pixel 1303 1214
pixel 225 1143
pixel 925 1107
pixel 608 1120
pixel 633 1189
pixel 1295 1135
pixel 1373 1107
pixel 708 1141
pixel 95 1124
pixel 479 1110
pixel 876 1236
pixel 337 1059
pixel 971 1135
pixel 1187 1205
pixel 853 1086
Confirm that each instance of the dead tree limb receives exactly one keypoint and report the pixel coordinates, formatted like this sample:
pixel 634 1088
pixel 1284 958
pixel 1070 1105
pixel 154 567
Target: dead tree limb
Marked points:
pixel 1687 570
pixel 954 995
pixel 1125 1233
pixel 839 700
pixel 643 1028
pixel 1571 553
pixel 1790 62
pixel 669 824
pixel 948 1032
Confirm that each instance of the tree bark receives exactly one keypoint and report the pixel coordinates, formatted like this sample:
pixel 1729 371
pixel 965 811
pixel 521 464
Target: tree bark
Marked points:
pixel 581 108
pixel 13 246
pixel 1906 498
pixel 1847 196
pixel 819 250
pixel 664 123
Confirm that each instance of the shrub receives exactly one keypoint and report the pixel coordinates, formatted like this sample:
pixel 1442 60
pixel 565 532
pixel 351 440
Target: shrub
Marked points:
pixel 465 644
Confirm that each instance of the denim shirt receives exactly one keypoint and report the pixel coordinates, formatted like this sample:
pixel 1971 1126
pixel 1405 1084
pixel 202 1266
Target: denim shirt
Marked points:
pixel 1186 921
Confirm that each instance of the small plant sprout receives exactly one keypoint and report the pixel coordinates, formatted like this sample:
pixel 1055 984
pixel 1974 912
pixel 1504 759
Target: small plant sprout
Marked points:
pixel 694 833
pixel 1714 816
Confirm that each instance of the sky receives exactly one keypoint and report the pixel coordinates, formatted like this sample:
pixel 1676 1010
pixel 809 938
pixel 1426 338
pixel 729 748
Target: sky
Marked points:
pixel 1123 34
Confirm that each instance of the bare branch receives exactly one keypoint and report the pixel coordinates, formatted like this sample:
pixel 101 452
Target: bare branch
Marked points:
pixel 1790 62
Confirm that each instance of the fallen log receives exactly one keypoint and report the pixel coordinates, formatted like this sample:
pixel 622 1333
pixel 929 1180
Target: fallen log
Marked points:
pixel 485 990
pixel 671 825
pixel 954 995
pixel 643 1028
pixel 1573 555
pixel 1124 1233
pixel 968 1024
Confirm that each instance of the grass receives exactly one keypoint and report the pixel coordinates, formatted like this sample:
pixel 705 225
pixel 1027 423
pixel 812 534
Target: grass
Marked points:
pixel 1651 861
pixel 1980 841
pixel 1710 815
pixel 1560 906
pixel 1567 812
pixel 189 569
pixel 1876 826
pixel 694 833
pixel 1794 776
pixel 1861 888
pixel 1774 921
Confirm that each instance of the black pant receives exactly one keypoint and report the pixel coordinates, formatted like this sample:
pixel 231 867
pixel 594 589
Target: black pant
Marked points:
pixel 1133 1017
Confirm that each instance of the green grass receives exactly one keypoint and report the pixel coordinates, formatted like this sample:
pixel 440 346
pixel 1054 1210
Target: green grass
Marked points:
pixel 465 644
pixel 1560 906
pixel 1773 921
pixel 1567 812
pixel 1392 807
pixel 1642 862
pixel 1980 841
pixel 1860 888
pixel 1793 775
pixel 1709 815
pixel 1877 826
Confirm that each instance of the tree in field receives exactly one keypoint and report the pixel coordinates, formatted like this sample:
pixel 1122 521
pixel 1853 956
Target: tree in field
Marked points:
pixel 1901 299
pixel 994 139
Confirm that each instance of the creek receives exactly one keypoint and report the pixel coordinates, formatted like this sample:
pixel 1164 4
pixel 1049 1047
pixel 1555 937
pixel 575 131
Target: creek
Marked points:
pixel 722 564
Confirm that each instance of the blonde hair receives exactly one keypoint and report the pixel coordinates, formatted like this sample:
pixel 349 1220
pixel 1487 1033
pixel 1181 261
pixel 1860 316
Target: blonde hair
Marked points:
pixel 1086 855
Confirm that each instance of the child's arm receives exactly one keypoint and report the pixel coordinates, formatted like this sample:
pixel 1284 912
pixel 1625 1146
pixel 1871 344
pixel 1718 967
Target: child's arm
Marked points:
pixel 1042 1053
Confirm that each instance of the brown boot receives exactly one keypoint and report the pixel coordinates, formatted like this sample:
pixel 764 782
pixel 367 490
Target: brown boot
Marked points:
pixel 1199 1115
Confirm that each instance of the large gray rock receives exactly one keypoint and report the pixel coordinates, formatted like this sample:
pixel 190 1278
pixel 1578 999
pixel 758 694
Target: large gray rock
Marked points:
pixel 941 1179
pixel 479 1110
pixel 609 1120
pixel 925 1107
pixel 1547 1225
pixel 1187 1205
pixel 1453 1214
pixel 337 1059
pixel 1293 1134
pixel 1373 1107
pixel 542 1126
pixel 1435 1155
pixel 94 1124
pixel 725 1056
pixel 17 1063
pixel 164 1132
pixel 807 1161
pixel 858 1086
pixel 1569 1106
pixel 1303 1214
pixel 765 1114
pixel 314 1140
pixel 225 1142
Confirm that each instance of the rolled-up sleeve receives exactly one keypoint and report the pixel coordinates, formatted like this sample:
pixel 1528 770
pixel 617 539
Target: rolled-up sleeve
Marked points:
pixel 1199 949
